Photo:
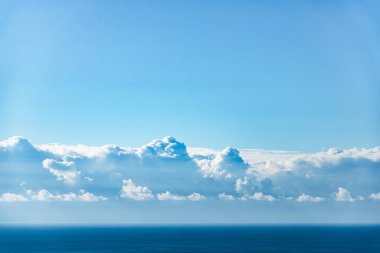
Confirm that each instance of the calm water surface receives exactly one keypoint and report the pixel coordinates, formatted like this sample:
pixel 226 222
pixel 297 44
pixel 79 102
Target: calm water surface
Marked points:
pixel 191 239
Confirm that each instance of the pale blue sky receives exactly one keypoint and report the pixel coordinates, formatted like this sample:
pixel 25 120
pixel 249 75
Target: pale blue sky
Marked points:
pixel 289 75
pixel 294 75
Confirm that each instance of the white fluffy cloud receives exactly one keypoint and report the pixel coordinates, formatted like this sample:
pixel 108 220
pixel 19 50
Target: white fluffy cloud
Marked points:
pixel 166 166
pixel 62 170
pixel 307 198
pixel 196 197
pixel 136 192
pixel 169 196
pixel 224 196
pixel 167 147
pixel 241 185
pixel 11 197
pixel 343 195
pixel 320 173
pixel 45 195
pixel 262 197
pixel 375 196
pixel 226 164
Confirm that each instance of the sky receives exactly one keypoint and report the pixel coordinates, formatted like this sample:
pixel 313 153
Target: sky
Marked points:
pixel 202 111
pixel 295 75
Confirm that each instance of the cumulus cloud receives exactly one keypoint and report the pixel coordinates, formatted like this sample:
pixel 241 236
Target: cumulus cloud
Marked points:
pixel 224 196
pixel 42 195
pixel 307 198
pixel 136 192
pixel 262 197
pixel 45 195
pixel 169 196
pixel 226 164
pixel 343 195
pixel 166 166
pixel 167 147
pixel 241 184
pixel 64 171
pixel 17 145
pixel 375 196
pixel 11 197
pixel 320 173
pixel 196 197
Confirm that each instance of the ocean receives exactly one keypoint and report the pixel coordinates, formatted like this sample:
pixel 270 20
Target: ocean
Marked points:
pixel 290 239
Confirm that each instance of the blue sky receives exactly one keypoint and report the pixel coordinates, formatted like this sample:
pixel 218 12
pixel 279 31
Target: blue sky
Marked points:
pixel 294 75
pixel 189 111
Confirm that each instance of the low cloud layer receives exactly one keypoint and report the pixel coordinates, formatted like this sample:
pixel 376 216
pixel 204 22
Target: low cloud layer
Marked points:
pixel 166 170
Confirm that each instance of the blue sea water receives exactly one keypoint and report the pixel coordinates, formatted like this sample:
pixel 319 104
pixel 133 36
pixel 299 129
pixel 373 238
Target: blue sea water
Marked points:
pixel 191 239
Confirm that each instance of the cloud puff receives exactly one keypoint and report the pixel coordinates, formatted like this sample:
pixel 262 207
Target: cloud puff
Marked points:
pixel 226 164
pixel 17 145
pixel 62 170
pixel 136 192
pixel 11 197
pixel 307 198
pixel 224 196
pixel 169 196
pixel 45 195
pixel 98 169
pixel 262 197
pixel 343 195
pixel 375 196
pixel 167 147
pixel 241 185
pixel 196 197
pixel 166 166
pixel 320 173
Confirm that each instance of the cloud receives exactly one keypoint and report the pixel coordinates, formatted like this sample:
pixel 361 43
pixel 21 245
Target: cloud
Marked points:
pixel 45 195
pixel 99 169
pixel 262 197
pixel 64 171
pixel 226 164
pixel 166 166
pixel 241 184
pixel 224 196
pixel 320 173
pixel 42 195
pixel 17 145
pixel 136 192
pixel 196 197
pixel 167 147
pixel 375 196
pixel 11 197
pixel 307 198
pixel 343 195
pixel 169 196
pixel 85 196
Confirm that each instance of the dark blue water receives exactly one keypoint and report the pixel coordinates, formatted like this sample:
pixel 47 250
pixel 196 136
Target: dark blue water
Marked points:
pixel 191 239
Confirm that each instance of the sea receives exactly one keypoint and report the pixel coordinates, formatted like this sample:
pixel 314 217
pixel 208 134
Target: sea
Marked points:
pixel 185 238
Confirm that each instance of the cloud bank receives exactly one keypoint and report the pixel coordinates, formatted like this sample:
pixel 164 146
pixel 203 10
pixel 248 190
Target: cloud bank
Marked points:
pixel 166 170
